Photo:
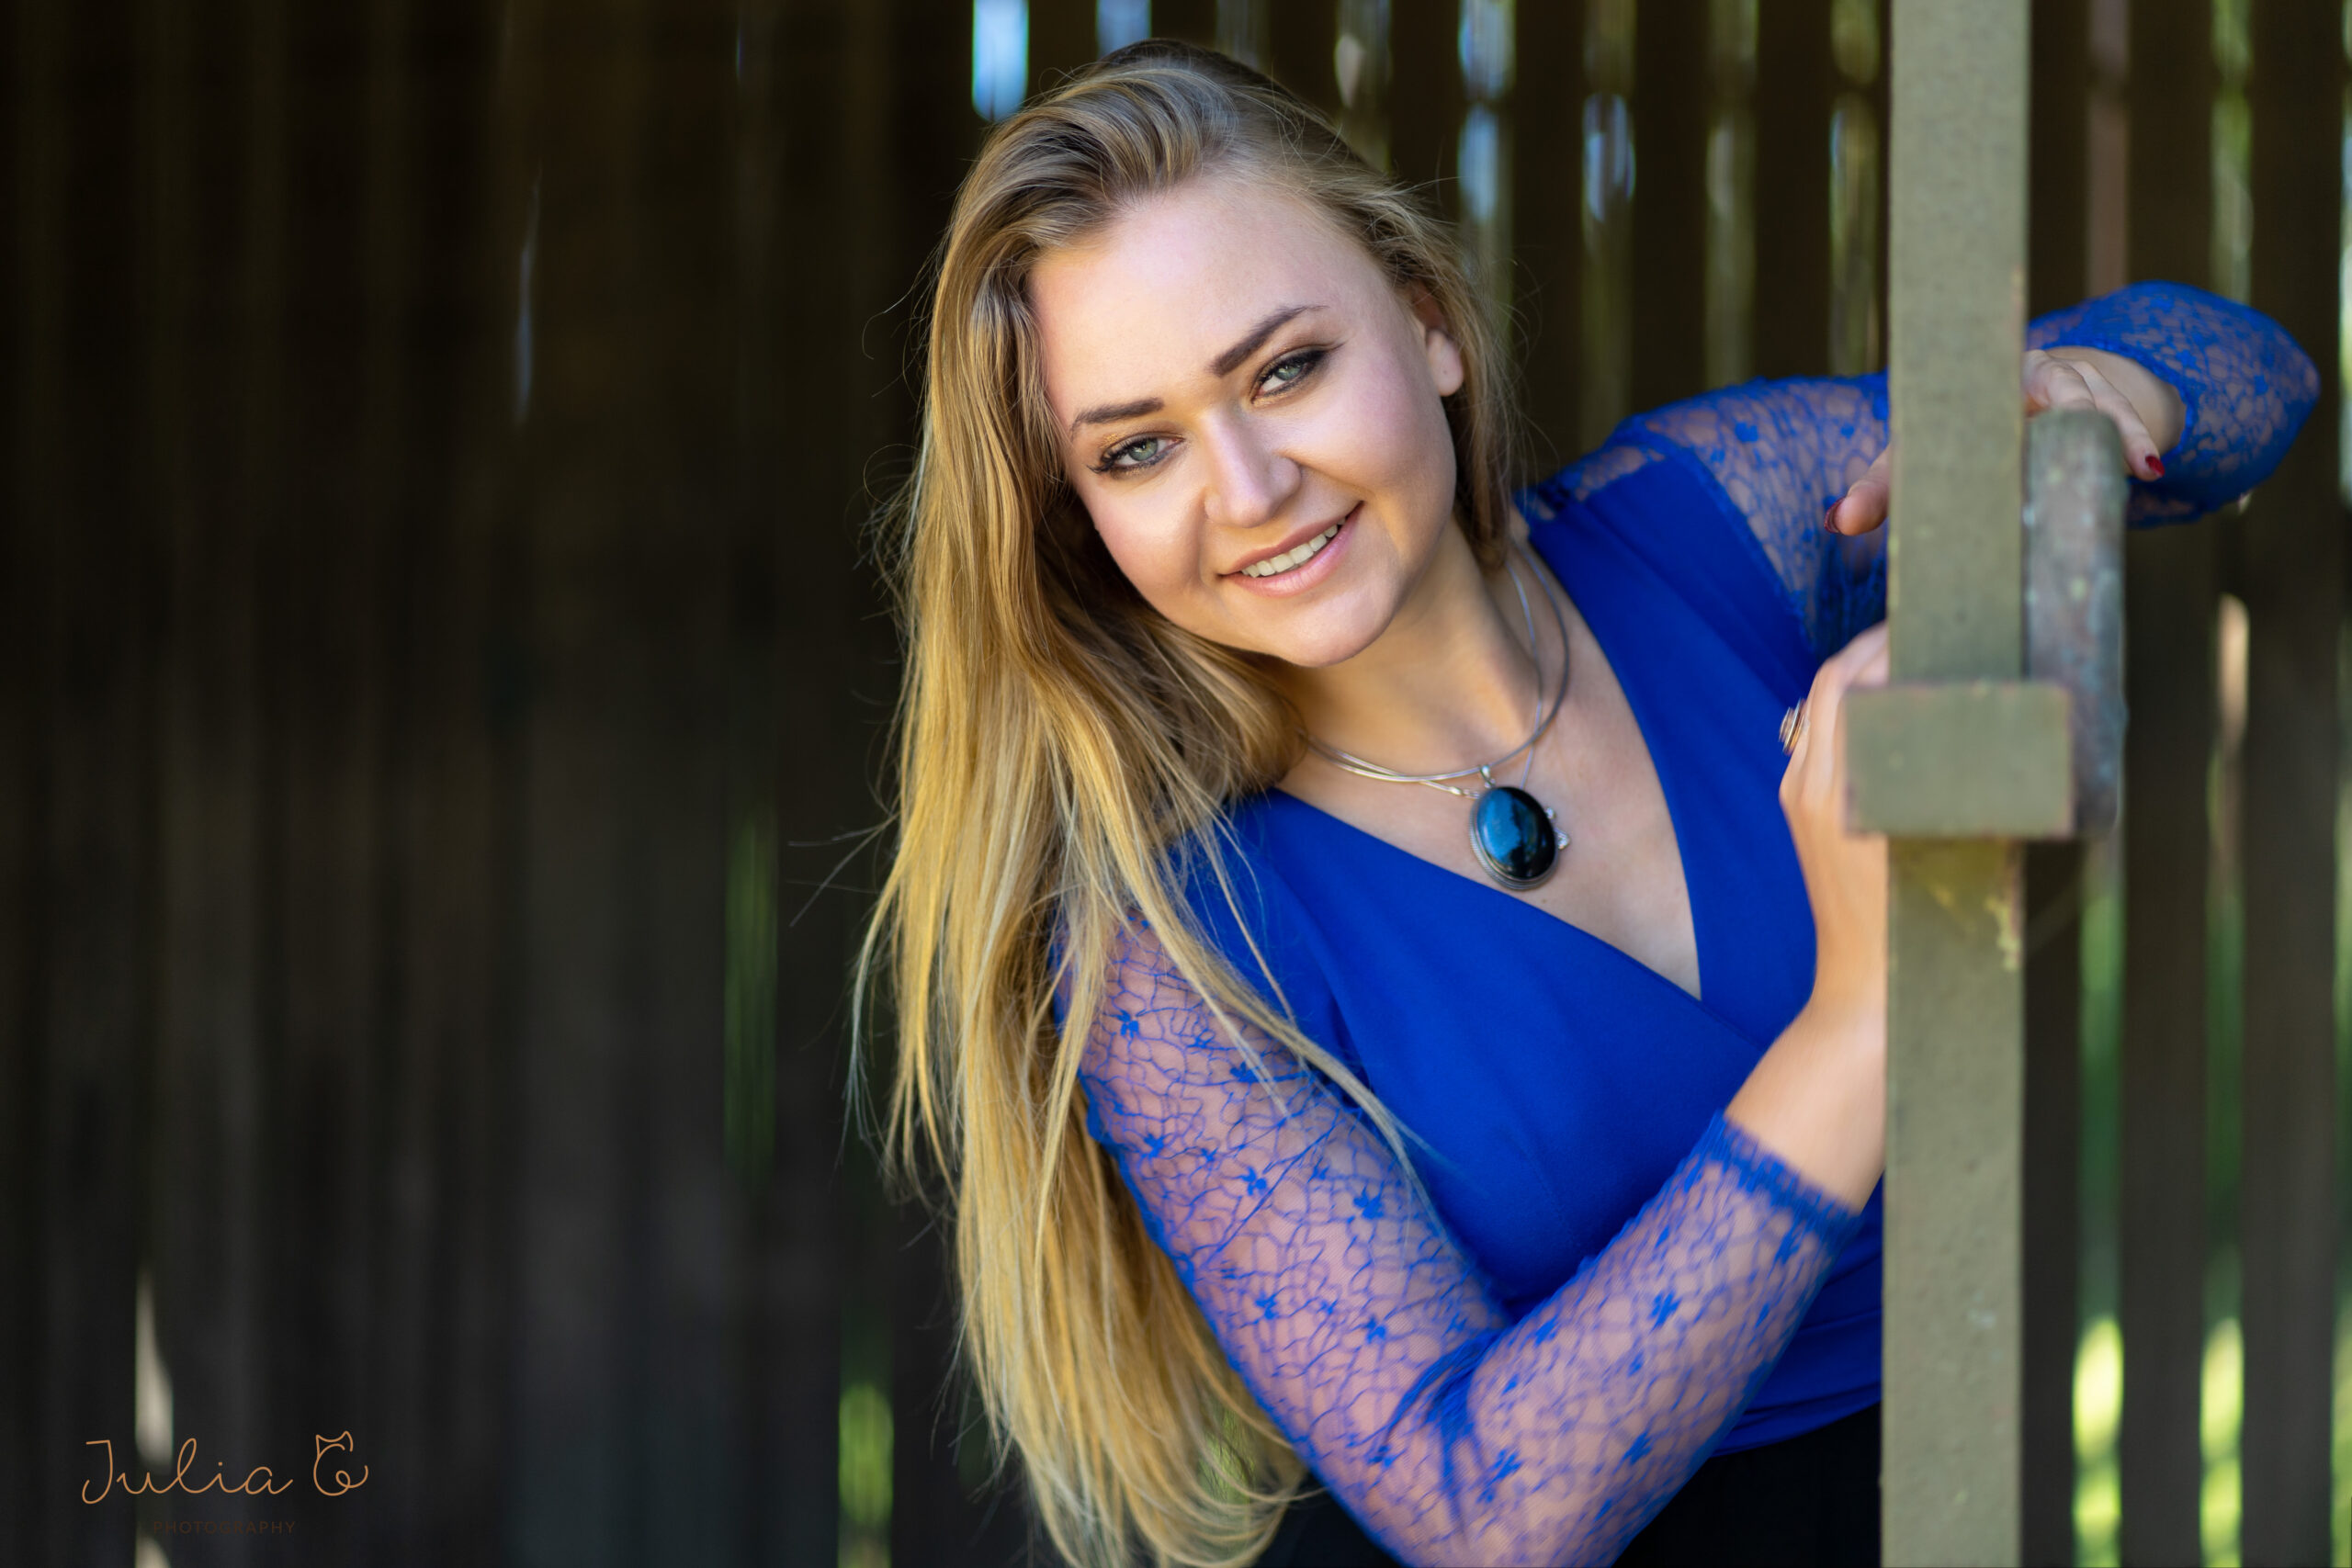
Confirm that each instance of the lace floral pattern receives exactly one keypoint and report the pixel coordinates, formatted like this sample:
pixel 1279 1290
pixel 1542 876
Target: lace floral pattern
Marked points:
pixel 1781 452
pixel 1454 1434
pixel 2245 386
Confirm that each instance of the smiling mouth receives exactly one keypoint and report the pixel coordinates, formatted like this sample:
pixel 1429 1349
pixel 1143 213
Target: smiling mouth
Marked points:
pixel 1291 560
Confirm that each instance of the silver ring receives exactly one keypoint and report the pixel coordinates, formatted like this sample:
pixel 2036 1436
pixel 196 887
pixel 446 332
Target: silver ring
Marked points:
pixel 1792 726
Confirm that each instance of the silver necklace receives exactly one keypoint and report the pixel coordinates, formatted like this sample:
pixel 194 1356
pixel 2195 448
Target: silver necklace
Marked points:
pixel 1517 838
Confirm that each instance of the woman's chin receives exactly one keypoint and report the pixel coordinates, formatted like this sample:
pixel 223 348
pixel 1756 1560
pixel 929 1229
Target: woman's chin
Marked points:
pixel 1320 647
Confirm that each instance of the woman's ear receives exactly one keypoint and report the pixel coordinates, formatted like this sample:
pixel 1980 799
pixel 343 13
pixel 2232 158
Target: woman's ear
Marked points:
pixel 1438 343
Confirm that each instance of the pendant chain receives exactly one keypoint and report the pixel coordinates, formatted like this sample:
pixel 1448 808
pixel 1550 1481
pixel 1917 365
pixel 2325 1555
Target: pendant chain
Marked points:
pixel 1543 716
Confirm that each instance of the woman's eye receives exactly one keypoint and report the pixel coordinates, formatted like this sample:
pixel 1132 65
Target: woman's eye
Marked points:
pixel 1129 456
pixel 1290 369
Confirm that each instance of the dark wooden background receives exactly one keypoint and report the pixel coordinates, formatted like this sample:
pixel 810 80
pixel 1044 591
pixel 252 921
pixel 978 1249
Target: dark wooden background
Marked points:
pixel 442 691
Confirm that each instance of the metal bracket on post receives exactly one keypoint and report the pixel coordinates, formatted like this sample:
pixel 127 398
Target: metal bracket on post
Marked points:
pixel 2034 759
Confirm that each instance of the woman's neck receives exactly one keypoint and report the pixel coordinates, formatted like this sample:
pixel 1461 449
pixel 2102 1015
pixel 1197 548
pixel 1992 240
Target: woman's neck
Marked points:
pixel 1449 683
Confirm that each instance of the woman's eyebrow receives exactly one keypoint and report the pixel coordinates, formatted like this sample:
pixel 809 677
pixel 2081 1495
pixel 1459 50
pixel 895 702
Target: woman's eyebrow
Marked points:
pixel 1223 364
pixel 1221 367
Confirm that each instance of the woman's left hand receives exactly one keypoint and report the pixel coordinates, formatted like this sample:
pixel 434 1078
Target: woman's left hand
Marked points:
pixel 2147 411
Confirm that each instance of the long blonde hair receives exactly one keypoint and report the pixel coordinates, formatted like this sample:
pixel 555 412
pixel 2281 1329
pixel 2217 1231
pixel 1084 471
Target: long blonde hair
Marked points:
pixel 1064 754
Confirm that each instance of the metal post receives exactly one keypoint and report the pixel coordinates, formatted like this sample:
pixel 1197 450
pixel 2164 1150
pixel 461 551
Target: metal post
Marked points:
pixel 1955 1083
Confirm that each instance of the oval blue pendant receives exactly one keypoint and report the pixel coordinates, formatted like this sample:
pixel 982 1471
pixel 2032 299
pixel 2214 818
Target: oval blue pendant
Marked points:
pixel 1514 838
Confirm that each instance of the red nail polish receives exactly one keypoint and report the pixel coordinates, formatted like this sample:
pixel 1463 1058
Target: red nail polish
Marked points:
pixel 1830 518
pixel 2157 466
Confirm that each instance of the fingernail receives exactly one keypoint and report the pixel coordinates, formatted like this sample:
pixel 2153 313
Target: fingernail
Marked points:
pixel 1830 518
pixel 2155 464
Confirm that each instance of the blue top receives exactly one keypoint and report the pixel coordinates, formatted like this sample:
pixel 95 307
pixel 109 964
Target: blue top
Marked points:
pixel 1614 1282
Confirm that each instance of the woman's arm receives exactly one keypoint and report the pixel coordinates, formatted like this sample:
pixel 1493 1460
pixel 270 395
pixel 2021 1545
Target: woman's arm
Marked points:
pixel 2147 413
pixel 2245 388
pixel 1455 1435
pixel 1785 452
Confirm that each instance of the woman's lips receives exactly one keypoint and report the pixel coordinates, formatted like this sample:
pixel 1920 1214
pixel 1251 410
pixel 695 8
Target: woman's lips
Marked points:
pixel 1307 573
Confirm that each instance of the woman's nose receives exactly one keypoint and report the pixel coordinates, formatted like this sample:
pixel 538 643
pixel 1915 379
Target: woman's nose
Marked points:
pixel 1250 482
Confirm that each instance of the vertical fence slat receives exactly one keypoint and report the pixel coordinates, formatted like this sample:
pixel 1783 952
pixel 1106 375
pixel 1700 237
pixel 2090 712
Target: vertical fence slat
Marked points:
pixel 2053 997
pixel 580 460
pixel 1425 97
pixel 2294 590
pixel 755 657
pixel 1672 91
pixel 443 1247
pixel 2055 270
pixel 1061 39
pixel 825 105
pixel 22 560
pixel 1795 87
pixel 94 859
pixel 682 554
pixel 217 377
pixel 2168 683
pixel 324 685
pixel 1546 198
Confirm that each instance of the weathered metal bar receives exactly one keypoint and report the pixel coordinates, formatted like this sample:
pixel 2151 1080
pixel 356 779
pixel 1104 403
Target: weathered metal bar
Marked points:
pixel 2294 594
pixel 1955 1000
pixel 2169 679
pixel 2074 596
pixel 2057 247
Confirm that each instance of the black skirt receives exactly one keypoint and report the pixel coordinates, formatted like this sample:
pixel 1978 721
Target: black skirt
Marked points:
pixel 1810 1499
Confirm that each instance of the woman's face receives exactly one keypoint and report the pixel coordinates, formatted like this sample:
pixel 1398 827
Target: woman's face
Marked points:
pixel 1249 411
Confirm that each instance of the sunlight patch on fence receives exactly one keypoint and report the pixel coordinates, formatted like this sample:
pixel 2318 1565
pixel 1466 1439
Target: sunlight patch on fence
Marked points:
pixel 865 1477
pixel 1731 193
pixel 750 998
pixel 1855 328
pixel 1608 221
pixel 1360 67
pixel 2232 152
pixel 2098 1408
pixel 1118 23
pixel 1000 56
pixel 1483 156
pixel 2223 1396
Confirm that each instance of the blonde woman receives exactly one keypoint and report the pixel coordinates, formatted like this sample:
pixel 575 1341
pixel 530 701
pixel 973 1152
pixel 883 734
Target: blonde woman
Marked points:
pixel 1405 1039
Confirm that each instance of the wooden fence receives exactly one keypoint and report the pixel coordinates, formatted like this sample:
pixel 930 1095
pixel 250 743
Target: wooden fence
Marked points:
pixel 443 692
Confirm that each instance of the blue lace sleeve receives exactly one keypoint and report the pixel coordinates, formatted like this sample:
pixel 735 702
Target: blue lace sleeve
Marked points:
pixel 1454 1434
pixel 2245 387
pixel 1781 452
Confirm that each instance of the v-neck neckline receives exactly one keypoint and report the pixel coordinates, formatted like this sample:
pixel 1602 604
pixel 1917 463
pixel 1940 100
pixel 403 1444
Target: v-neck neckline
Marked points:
pixel 1667 794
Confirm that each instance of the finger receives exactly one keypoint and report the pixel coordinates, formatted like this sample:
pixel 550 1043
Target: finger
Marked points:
pixel 1811 766
pixel 2139 447
pixel 2054 383
pixel 1864 645
pixel 1852 665
pixel 1864 506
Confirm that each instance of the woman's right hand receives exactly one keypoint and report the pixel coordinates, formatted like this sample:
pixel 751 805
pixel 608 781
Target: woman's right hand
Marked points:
pixel 1818 1098
pixel 1845 873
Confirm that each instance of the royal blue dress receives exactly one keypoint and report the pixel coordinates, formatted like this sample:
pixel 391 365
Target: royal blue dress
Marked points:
pixel 1614 1282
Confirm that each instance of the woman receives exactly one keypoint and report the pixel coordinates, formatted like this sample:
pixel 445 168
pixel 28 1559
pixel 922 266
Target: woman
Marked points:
pixel 1407 1045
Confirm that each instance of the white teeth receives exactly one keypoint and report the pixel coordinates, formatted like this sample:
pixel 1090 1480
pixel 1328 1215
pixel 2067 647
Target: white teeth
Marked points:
pixel 1274 565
